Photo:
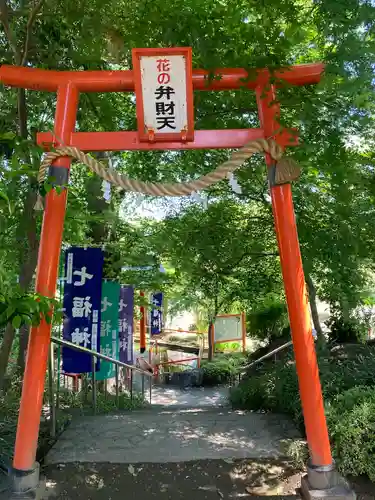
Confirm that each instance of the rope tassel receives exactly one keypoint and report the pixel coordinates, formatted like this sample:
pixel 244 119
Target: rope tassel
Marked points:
pixel 286 170
pixel 39 205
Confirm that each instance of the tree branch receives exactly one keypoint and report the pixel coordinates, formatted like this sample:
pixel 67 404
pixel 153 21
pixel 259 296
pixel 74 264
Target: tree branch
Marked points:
pixel 4 18
pixel 30 23
pixel 232 267
pixel 225 112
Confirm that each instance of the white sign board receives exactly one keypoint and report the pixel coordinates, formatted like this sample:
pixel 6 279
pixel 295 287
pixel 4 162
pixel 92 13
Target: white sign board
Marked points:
pixel 228 328
pixel 164 93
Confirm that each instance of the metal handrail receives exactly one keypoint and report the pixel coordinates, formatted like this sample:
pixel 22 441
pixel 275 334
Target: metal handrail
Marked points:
pixel 118 364
pixel 266 356
pixel 99 355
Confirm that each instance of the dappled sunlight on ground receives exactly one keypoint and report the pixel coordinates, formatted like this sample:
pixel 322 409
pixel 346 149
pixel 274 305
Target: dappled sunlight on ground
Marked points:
pixel 191 397
pixel 172 435
pixel 209 479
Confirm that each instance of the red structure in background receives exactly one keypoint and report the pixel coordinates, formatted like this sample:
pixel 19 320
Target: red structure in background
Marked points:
pixel 68 86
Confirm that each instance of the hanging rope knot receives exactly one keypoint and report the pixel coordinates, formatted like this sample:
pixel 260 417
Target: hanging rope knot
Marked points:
pixel 286 170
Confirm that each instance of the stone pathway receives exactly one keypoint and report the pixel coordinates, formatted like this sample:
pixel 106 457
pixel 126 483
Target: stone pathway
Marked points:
pixel 181 426
pixel 189 443
pixel 193 397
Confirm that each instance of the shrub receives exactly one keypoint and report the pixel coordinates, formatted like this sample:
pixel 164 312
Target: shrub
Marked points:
pixel 269 321
pixel 105 403
pixel 286 392
pixel 222 368
pixel 346 331
pixel 276 389
pixel 272 390
pixel 9 406
pixel 250 395
pixel 349 394
pixel 351 420
pixel 297 452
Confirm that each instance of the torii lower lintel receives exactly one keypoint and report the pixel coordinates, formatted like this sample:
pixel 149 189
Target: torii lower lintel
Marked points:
pixel 128 140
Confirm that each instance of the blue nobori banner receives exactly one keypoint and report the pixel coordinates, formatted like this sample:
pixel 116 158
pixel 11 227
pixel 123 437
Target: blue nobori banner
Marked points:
pixel 82 306
pixel 156 319
pixel 126 320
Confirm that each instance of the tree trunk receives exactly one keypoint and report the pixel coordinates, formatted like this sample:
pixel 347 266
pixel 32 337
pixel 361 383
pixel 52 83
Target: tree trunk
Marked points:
pixel 28 226
pixel 22 113
pixel 314 308
pixel 27 233
pixel 210 343
pixel 23 341
pixel 28 267
pixel 345 309
pixel 6 347
pixel 29 260
pixel 26 277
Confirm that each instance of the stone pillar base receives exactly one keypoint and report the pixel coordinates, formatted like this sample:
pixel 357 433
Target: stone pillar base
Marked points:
pixel 325 483
pixel 23 483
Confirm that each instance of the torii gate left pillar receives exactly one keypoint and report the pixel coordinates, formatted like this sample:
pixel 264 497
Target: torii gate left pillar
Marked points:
pixel 68 85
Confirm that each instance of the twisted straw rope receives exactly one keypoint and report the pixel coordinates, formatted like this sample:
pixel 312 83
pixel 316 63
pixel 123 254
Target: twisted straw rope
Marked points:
pixel 169 189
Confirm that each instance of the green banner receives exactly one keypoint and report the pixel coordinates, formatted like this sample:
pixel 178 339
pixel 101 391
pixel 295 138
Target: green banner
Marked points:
pixel 109 335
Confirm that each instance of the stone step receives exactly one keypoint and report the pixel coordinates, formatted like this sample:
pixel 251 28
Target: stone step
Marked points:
pixel 193 397
pixel 169 435
pixel 199 479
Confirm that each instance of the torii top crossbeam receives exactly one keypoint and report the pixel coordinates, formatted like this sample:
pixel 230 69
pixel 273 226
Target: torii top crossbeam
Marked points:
pixel 123 81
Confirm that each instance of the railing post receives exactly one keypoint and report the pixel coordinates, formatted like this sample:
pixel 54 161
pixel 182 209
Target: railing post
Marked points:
pixel 51 395
pixel 93 374
pixel 85 387
pixel 117 383
pixel 46 279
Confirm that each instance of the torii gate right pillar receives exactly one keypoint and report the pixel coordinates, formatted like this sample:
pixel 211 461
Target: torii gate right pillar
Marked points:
pixel 322 480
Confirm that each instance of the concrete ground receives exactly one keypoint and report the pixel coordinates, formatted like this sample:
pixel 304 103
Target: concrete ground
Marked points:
pixel 161 435
pixel 189 443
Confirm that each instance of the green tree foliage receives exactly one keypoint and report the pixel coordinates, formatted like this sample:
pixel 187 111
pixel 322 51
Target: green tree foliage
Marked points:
pixel 221 255
pixel 230 257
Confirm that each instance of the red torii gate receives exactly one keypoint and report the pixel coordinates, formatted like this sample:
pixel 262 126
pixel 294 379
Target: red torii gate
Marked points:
pixel 68 85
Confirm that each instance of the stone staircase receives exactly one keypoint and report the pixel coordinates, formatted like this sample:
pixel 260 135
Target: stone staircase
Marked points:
pixel 187 444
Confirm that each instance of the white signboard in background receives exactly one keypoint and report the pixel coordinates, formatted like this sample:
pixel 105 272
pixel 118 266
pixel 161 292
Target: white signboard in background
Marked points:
pixel 164 94
pixel 228 328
